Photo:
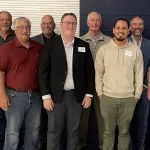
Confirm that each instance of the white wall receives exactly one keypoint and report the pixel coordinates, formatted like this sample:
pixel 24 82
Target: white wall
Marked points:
pixel 35 9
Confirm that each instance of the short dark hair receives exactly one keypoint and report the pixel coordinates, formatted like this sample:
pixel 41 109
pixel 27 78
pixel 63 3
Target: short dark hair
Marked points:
pixel 68 14
pixel 136 17
pixel 121 19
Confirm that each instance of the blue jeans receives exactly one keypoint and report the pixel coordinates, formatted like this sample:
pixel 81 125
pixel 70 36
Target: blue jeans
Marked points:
pixel 23 106
pixel 138 127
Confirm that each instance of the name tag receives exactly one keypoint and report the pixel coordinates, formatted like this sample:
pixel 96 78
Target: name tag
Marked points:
pixel 81 49
pixel 128 53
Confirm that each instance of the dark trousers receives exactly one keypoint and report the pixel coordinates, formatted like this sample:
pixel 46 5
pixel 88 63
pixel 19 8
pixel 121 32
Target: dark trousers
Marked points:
pixel 147 139
pixel 84 124
pixel 138 127
pixel 68 109
pixel 2 127
pixel 43 130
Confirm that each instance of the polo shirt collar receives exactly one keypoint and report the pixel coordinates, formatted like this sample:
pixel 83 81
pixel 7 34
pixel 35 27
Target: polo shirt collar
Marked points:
pixel 18 44
pixel 89 37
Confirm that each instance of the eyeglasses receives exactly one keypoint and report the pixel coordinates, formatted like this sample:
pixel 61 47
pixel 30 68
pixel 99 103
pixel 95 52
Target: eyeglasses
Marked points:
pixel 21 27
pixel 67 23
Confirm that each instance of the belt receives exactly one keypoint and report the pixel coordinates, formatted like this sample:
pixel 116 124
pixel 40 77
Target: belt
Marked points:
pixel 23 91
pixel 67 90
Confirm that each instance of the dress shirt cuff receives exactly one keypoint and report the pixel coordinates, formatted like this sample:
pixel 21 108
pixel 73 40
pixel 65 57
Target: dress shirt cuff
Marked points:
pixel 145 86
pixel 89 95
pixel 46 96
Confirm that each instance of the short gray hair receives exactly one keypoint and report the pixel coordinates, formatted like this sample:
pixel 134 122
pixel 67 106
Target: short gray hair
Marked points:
pixel 21 19
pixel 88 17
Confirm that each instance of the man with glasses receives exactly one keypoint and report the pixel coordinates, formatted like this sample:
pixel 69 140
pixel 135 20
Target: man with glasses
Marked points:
pixel 19 86
pixel 67 78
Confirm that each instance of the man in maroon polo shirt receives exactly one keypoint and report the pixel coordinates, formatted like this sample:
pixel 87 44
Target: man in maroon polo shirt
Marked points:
pixel 20 97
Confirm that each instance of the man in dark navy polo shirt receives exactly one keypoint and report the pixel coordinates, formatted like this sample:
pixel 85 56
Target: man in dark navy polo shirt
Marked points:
pixel 6 34
pixel 21 100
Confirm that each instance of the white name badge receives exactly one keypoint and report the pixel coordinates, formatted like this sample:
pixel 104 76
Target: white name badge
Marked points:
pixel 81 49
pixel 128 53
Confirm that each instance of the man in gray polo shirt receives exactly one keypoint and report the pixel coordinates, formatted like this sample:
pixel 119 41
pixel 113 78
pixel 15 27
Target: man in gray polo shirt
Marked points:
pixel 96 39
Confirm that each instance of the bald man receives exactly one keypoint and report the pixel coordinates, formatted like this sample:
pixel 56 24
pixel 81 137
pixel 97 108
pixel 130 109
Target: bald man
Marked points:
pixel 96 39
pixel 47 27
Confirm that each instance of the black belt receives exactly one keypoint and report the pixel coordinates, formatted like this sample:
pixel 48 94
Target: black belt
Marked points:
pixel 23 91
pixel 67 90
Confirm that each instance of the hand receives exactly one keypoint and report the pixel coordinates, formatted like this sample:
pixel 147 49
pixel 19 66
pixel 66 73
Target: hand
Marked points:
pixel 86 102
pixel 48 104
pixel 100 96
pixel 4 102
pixel 136 99
pixel 148 75
pixel 148 95
pixel 143 89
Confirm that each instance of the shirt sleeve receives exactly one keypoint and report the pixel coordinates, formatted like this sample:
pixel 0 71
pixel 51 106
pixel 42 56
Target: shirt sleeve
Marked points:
pixel 99 71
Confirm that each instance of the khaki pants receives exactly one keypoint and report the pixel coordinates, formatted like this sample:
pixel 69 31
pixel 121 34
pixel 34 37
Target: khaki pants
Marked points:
pixel 84 122
pixel 116 111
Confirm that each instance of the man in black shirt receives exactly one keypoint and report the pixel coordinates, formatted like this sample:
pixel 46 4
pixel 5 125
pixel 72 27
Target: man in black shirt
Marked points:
pixel 6 34
pixel 47 27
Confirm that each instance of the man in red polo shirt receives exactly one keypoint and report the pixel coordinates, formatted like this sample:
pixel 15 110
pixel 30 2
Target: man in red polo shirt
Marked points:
pixel 20 97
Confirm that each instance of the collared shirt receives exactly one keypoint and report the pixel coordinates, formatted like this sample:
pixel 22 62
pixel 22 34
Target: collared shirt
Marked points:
pixel 97 38
pixel 69 83
pixel 20 64
pixel 138 44
pixel 135 42
pixel 9 37
pixel 95 42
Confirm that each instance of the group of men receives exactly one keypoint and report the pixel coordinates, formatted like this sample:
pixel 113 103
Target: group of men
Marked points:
pixel 50 80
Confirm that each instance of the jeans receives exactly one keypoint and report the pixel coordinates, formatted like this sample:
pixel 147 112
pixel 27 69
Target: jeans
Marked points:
pixel 23 107
pixel 138 127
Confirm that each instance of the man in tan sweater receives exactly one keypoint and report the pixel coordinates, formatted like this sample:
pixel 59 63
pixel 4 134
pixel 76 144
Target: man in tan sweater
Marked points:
pixel 96 39
pixel 119 83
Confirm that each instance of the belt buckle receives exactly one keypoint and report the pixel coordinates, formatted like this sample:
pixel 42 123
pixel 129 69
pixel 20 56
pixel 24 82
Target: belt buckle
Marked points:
pixel 68 89
pixel 29 91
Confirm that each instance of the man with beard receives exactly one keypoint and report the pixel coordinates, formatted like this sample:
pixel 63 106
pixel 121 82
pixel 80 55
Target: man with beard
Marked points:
pixel 6 34
pixel 19 86
pixel 119 82
pixel 96 39
pixel 138 126
pixel 47 27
